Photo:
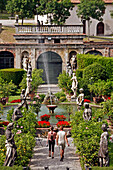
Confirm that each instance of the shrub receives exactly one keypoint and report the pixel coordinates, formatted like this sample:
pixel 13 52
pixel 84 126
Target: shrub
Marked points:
pixel 86 135
pixel 64 82
pixel 84 60
pixel 13 74
pixel 79 73
pixel 62 117
pixel 61 96
pixel 36 79
pixel 11 168
pixel 96 71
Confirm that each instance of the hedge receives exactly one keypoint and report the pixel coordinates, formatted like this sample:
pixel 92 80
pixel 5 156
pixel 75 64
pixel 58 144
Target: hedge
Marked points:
pixel 11 168
pixel 12 74
pixel 84 60
pixel 79 73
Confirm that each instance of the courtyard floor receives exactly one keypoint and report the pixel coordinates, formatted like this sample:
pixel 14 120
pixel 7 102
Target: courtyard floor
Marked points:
pixel 41 161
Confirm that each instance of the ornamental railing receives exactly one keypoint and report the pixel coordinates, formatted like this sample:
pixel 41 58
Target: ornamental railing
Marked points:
pixel 36 29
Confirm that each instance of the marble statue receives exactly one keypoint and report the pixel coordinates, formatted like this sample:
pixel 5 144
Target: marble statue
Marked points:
pixel 80 98
pixel 25 63
pixel 73 62
pixel 17 114
pixel 103 151
pixel 29 79
pixel 67 67
pixel 74 85
pixel 11 153
pixel 70 72
pixel 87 112
pixel 23 99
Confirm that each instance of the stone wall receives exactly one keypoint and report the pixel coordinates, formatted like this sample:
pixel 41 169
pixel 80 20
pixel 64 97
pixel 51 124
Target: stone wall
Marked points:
pixel 0 27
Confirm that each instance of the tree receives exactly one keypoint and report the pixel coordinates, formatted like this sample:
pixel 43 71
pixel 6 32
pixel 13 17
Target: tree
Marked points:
pixel 2 5
pixel 24 8
pixel 57 11
pixel 91 9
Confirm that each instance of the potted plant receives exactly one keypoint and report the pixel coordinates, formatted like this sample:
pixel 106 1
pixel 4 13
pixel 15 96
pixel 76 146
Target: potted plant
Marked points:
pixel 63 123
pixel 60 117
pixel 45 117
pixel 43 124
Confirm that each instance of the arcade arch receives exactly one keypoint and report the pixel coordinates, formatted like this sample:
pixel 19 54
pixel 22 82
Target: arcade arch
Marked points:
pixel 51 63
pixel 6 59
pixel 94 52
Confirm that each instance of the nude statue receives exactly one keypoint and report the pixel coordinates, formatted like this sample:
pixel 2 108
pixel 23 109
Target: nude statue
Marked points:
pixel 87 112
pixel 103 151
pixel 11 153
pixel 74 85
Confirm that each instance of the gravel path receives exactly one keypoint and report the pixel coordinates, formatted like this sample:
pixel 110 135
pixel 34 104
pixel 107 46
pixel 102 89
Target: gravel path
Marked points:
pixel 40 157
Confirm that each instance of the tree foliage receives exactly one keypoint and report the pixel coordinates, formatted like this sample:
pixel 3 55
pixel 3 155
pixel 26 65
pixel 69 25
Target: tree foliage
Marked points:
pixel 24 8
pixel 92 8
pixel 59 11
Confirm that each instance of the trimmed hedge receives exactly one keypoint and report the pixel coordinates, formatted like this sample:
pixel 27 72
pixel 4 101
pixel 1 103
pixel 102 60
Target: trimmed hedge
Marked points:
pixel 95 70
pixel 12 74
pixel 79 73
pixel 84 60
pixel 11 168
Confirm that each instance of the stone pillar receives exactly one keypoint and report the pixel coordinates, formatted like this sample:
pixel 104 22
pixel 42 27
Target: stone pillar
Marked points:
pixel 17 63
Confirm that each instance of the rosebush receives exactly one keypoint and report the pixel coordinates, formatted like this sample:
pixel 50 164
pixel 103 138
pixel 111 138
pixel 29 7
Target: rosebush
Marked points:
pixel 45 117
pixel 43 124
pixel 63 123
pixel 86 135
pixel 61 117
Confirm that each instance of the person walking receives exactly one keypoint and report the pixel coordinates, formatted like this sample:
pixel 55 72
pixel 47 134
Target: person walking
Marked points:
pixel 51 141
pixel 60 140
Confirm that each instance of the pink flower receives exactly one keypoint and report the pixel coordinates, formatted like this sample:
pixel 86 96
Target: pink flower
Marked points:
pixel 17 126
pixel 21 127
pixel 18 132
pixel 34 102
pixel 86 127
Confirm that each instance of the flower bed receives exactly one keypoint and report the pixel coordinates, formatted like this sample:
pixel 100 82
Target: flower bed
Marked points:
pixel 5 123
pixel 86 100
pixel 16 101
pixel 45 117
pixel 43 124
pixel 63 123
pixel 60 117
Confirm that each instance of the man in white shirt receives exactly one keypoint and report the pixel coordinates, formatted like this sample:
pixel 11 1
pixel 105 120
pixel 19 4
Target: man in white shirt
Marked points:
pixel 60 140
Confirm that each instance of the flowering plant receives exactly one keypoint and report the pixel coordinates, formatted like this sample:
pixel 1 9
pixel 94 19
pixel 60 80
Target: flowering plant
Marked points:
pixel 5 123
pixel 60 117
pixel 45 117
pixel 87 101
pixel 43 124
pixel 63 123
pixel 16 101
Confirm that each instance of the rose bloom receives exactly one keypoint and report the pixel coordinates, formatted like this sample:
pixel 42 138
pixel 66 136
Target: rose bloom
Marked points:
pixel 86 127
pixel 18 132
pixel 34 102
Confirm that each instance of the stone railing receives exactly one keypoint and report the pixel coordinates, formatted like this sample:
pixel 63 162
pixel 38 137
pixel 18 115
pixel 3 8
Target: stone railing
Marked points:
pixel 35 29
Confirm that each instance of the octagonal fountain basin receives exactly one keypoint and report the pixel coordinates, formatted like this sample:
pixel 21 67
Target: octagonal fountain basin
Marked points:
pixel 51 108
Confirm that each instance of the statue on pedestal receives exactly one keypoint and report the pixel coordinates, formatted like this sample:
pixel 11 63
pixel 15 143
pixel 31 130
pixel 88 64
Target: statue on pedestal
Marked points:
pixel 80 98
pixel 17 113
pixel 87 112
pixel 11 153
pixel 74 85
pixel 73 62
pixel 103 151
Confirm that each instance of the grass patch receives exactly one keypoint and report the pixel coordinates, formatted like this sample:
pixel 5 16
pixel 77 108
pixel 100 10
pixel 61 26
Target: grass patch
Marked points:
pixel 13 98
pixel 7 34
pixel 101 168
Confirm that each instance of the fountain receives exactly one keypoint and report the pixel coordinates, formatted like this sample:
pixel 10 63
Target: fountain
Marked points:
pixel 52 99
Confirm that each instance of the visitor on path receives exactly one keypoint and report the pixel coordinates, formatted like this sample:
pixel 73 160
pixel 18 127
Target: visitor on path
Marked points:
pixel 51 141
pixel 60 140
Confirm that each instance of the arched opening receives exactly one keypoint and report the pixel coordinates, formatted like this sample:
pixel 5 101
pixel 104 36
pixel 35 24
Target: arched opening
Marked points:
pixel 73 60
pixel 94 52
pixel 100 28
pixel 51 63
pixel 6 60
pixel 24 57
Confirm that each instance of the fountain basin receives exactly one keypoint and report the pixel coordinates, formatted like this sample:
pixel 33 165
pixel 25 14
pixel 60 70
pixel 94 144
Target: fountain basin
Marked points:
pixel 51 108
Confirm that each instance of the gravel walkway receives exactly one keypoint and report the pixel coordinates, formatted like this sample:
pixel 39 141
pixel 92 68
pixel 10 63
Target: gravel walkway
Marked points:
pixel 40 159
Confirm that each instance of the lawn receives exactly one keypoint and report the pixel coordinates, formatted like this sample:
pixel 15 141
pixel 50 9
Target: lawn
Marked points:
pixel 7 34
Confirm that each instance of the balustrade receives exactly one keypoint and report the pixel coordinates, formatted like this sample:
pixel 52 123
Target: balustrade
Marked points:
pixel 35 29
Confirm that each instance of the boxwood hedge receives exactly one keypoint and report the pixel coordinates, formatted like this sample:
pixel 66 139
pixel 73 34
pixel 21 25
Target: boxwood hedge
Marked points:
pixel 13 74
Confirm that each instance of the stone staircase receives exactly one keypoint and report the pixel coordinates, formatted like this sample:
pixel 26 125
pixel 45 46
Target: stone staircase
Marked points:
pixel 43 89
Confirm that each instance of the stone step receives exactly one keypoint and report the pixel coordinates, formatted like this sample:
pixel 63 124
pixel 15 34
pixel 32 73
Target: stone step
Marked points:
pixel 40 159
pixel 43 89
